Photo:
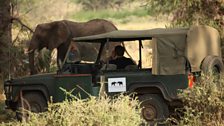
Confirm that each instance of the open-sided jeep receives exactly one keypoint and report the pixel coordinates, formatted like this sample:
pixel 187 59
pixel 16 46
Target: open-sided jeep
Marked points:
pixel 176 53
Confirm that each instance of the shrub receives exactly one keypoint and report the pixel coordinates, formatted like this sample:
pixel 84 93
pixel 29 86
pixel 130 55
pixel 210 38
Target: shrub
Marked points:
pixel 204 103
pixel 88 112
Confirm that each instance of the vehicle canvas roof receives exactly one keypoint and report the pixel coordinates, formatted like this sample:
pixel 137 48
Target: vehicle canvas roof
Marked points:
pixel 128 35
pixel 171 46
pixel 168 45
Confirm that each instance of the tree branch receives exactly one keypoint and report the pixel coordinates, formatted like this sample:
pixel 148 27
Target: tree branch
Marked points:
pixel 17 37
pixel 22 24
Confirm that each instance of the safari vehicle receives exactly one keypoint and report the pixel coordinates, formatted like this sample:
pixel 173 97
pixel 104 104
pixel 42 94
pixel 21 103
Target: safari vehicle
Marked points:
pixel 176 53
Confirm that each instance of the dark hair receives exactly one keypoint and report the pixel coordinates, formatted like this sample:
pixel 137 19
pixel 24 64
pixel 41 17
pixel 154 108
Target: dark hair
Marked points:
pixel 119 50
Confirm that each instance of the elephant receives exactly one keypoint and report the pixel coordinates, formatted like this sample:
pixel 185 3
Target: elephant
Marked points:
pixel 58 34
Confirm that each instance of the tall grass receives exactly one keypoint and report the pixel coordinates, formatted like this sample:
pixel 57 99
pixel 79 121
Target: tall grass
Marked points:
pixel 88 112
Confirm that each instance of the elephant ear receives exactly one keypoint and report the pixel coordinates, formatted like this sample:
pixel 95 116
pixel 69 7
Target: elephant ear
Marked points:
pixel 59 34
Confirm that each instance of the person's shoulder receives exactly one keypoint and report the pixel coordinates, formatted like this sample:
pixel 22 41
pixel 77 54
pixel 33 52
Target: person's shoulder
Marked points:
pixel 130 61
pixel 127 58
pixel 112 61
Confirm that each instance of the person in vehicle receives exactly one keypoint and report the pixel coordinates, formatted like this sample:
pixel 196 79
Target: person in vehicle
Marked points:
pixel 74 56
pixel 119 59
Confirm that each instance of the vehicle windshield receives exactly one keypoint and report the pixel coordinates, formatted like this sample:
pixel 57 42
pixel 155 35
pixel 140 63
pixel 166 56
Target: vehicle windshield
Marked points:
pixel 146 52
pixel 86 52
pixel 81 52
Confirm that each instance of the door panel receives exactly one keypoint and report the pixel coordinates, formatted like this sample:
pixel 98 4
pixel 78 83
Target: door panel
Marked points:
pixel 81 84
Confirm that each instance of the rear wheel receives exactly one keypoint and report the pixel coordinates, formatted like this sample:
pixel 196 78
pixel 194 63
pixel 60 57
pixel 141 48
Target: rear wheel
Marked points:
pixel 33 101
pixel 154 108
pixel 212 65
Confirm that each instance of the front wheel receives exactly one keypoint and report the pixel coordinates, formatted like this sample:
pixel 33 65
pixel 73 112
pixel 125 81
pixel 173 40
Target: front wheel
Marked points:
pixel 33 101
pixel 154 108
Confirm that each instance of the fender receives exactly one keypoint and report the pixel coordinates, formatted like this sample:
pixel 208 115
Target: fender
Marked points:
pixel 141 85
pixel 32 87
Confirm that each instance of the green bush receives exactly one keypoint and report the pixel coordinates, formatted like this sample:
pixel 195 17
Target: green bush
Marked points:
pixel 89 112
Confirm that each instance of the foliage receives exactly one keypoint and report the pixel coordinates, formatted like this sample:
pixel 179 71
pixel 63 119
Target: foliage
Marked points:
pixel 188 12
pixel 204 103
pixel 89 112
pixel 33 12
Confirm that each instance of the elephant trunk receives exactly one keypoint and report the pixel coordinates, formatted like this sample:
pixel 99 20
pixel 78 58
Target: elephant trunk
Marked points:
pixel 31 62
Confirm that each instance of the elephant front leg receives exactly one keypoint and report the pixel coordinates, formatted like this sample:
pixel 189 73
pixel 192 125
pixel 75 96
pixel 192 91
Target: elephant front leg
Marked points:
pixel 61 54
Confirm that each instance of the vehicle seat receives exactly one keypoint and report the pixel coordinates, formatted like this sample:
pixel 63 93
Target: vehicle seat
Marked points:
pixel 109 67
pixel 131 67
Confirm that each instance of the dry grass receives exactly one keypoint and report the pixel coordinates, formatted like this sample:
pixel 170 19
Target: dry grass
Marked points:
pixel 88 112
pixel 204 103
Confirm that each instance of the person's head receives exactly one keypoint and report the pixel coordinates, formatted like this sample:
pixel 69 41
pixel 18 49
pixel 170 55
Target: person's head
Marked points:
pixel 73 48
pixel 119 50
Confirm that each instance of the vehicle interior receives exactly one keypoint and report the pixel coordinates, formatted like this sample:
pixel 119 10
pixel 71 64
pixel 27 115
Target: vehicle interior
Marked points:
pixel 141 55
pixel 167 45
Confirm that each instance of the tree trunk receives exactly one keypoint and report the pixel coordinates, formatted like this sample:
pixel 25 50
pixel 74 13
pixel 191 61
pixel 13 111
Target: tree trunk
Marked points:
pixel 5 39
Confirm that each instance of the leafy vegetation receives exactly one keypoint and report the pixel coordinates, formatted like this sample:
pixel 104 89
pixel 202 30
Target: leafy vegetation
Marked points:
pixel 189 12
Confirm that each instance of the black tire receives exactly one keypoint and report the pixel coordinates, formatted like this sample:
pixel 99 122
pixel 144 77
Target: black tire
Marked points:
pixel 32 101
pixel 154 108
pixel 212 64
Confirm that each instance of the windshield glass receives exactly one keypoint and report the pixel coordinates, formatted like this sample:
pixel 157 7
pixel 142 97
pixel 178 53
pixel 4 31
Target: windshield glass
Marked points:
pixel 82 52
pixel 133 50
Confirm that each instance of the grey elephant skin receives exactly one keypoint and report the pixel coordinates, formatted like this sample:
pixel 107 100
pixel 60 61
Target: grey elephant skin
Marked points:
pixel 58 34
